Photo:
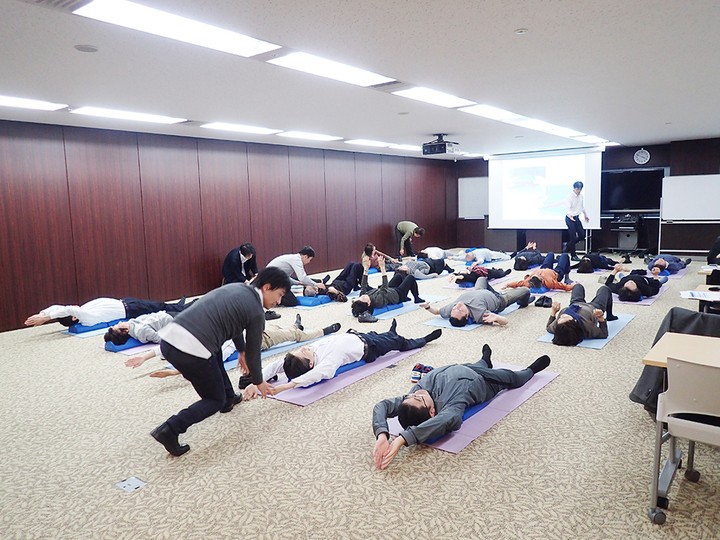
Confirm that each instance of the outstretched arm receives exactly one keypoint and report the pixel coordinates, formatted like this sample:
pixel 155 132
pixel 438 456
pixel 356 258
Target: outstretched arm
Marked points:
pixel 431 309
pixel 36 320
pixel 137 361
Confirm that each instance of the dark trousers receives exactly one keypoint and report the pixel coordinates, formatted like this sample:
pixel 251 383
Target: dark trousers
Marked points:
pixel 500 379
pixel 575 233
pixel 289 299
pixel 407 245
pixel 379 344
pixel 404 284
pixel 603 298
pixel 349 279
pixel 714 253
pixel 210 381
pixel 134 307
pixel 562 268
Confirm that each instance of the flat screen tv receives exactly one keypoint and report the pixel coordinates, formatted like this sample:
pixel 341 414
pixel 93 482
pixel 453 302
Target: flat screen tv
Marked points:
pixel 631 191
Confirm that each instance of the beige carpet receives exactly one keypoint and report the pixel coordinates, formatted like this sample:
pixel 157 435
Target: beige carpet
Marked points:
pixel 572 462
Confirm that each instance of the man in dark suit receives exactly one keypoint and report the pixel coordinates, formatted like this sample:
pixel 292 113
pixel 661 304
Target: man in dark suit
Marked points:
pixel 240 264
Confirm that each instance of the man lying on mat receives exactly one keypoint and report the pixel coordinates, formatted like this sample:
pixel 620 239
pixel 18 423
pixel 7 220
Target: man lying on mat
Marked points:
pixel 481 305
pixel 581 319
pixel 435 406
pixel 146 328
pixel 317 361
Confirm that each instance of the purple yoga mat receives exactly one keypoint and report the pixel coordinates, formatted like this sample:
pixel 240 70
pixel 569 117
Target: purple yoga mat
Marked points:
pixel 502 405
pixel 306 396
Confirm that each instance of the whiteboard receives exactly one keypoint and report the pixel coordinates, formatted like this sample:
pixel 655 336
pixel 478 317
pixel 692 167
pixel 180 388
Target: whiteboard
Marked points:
pixel 473 197
pixel 695 197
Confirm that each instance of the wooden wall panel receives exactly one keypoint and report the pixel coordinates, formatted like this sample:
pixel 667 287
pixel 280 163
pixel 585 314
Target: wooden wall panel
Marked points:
pixel 173 218
pixel 225 200
pixel 695 157
pixel 107 213
pixel 425 201
pixel 36 232
pixel 451 207
pixel 368 193
pixel 307 197
pixel 270 217
pixel 393 201
pixel 470 233
pixel 343 242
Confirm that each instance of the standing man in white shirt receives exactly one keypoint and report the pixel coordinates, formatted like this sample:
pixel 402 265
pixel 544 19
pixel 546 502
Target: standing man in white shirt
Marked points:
pixel 575 206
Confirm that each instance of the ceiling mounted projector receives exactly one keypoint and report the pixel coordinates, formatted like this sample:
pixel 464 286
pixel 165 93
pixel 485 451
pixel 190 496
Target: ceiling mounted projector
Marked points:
pixel 440 146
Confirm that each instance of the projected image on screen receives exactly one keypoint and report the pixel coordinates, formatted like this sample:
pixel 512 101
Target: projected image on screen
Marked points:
pixel 531 192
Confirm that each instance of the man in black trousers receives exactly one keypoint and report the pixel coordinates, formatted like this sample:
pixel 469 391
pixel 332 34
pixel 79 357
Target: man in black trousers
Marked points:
pixel 193 344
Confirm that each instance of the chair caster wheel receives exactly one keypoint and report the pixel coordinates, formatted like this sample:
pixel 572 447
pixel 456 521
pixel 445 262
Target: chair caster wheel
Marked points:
pixel 692 475
pixel 663 502
pixel 657 516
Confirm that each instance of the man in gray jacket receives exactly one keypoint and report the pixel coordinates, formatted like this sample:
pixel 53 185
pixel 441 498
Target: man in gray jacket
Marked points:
pixel 193 344
pixel 435 406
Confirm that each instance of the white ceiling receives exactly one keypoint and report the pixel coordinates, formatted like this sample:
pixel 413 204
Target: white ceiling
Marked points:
pixel 637 72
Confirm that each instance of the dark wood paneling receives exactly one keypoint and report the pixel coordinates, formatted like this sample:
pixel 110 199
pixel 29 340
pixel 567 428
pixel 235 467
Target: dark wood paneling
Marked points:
pixel 425 185
pixel 341 208
pixel 451 207
pixel 225 198
pixel 470 168
pixel 681 237
pixel 307 199
pixel 173 218
pixel 620 157
pixel 270 201
pixel 107 213
pixel 547 240
pixel 36 232
pixel 470 233
pixel 368 191
pixel 695 157
pixel 393 201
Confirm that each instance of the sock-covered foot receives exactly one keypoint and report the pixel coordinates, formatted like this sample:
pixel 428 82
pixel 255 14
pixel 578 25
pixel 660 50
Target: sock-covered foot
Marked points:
pixel 331 329
pixel 540 364
pixel 486 353
pixel 419 300
pixel 298 322
pixel 393 327
pixel 611 317
pixel 432 336
pixel 688 261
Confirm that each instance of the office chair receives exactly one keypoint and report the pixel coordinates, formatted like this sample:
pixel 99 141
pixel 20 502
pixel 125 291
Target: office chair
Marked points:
pixel 690 408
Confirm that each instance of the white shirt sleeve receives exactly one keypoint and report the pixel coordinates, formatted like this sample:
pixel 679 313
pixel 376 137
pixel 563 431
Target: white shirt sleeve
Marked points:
pixel 273 368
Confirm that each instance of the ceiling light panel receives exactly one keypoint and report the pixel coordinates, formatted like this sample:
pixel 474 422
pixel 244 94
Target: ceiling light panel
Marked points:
pixel 127 115
pixel 240 128
pixel 308 136
pixel 161 23
pixel 23 103
pixel 434 97
pixel 316 65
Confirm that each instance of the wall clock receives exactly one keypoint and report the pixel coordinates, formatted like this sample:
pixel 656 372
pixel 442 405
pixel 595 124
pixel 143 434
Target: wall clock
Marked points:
pixel 641 157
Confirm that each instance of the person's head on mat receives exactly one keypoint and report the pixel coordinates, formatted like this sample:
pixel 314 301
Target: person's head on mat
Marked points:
pixel 459 315
pixel 521 263
pixel 567 331
pixel 660 263
pixel 416 408
pixel 577 187
pixel 535 282
pixel 469 256
pixel 422 255
pixel 68 320
pixel 298 362
pixel 118 334
pixel 585 266
pixel 307 254
pixel 360 305
pixel 273 284
pixel 629 292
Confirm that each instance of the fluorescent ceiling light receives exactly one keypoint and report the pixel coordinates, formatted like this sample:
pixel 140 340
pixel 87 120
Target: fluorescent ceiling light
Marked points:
pixel 408 147
pixel 493 113
pixel 161 23
pixel 434 97
pixel 327 68
pixel 366 142
pixel 22 103
pixel 308 136
pixel 591 139
pixel 224 126
pixel 611 143
pixel 126 115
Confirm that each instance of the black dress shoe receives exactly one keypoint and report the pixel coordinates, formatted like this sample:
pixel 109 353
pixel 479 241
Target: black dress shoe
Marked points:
pixel 237 398
pixel 271 316
pixel 165 435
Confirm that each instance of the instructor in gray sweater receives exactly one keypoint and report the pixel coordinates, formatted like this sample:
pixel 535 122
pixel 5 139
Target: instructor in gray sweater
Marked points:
pixel 193 344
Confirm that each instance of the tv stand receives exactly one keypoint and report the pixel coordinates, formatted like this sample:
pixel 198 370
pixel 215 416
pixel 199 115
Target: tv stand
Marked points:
pixel 627 227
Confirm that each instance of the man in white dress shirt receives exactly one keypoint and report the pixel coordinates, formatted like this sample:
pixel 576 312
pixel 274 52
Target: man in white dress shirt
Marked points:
pixel 575 206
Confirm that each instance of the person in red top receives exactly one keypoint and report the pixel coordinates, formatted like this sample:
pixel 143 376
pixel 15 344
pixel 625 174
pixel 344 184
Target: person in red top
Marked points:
pixel 546 276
